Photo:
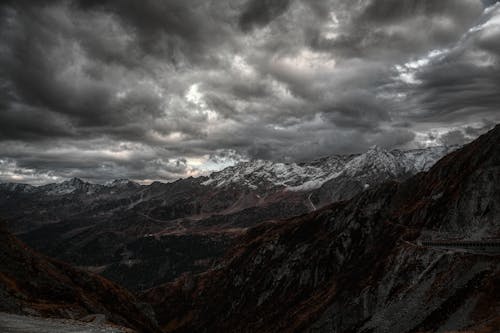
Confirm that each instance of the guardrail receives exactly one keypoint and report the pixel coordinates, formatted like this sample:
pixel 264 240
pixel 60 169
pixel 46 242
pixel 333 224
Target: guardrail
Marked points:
pixel 483 246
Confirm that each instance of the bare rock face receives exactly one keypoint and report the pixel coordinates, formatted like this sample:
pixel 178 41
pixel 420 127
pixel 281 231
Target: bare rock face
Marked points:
pixel 356 265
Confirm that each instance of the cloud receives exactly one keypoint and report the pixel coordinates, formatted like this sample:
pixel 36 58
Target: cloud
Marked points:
pixel 157 90
pixel 261 12
pixel 458 84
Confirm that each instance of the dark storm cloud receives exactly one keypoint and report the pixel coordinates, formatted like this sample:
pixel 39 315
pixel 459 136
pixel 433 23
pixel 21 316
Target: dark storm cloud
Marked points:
pixel 461 136
pixel 390 11
pixel 95 161
pixel 357 109
pixel 488 3
pixel 174 30
pixel 45 71
pixel 261 12
pixel 29 123
pixel 160 89
pixel 455 137
pixel 463 82
pixel 394 29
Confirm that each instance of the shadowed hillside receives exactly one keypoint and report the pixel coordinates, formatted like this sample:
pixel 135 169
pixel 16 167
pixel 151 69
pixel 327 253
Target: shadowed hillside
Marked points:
pixel 31 284
pixel 355 266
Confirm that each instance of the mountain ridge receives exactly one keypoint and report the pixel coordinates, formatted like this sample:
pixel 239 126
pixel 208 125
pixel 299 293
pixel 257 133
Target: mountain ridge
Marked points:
pixel 316 168
pixel 354 265
pixel 122 227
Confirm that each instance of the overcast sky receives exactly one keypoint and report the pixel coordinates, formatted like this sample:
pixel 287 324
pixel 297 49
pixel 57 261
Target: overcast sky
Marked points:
pixel 162 89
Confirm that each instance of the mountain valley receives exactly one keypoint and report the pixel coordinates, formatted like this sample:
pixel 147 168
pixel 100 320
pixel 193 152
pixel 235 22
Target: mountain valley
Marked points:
pixel 141 236
pixel 268 247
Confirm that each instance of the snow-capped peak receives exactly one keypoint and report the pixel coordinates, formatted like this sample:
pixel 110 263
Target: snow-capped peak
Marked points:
pixel 123 182
pixel 260 173
pixel 375 148
pixel 69 186
pixel 375 162
pixel 76 182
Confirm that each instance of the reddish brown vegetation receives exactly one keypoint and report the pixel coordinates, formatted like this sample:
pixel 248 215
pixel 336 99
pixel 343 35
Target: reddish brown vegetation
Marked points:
pixel 33 284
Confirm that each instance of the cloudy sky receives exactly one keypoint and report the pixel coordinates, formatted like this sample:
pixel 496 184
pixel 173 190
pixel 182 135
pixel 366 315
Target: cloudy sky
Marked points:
pixel 162 89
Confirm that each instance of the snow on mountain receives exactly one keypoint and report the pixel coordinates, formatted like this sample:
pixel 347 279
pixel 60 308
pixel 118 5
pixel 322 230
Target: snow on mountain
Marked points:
pixel 257 173
pixel 70 186
pixel 424 159
pixel 371 166
pixel 121 183
pixel 375 160
pixel 312 175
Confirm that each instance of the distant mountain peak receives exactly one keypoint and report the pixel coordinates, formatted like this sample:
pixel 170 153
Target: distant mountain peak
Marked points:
pixel 375 148
pixel 311 175
pixel 69 186
pixel 121 182
pixel 74 181
pixel 264 175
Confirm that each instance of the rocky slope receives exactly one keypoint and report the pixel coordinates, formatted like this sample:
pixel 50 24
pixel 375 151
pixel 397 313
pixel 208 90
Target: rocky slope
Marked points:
pixel 141 236
pixel 31 284
pixel 356 266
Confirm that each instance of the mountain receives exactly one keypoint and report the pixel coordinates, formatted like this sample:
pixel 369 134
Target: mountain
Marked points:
pixel 69 186
pixel 312 175
pixel 266 247
pixel 31 284
pixel 357 265
pixel 141 236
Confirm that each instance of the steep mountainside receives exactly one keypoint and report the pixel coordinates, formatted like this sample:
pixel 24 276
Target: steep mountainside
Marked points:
pixel 141 236
pixel 31 284
pixel 356 266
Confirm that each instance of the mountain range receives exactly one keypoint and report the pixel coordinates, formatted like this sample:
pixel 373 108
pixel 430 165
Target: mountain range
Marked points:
pixel 141 236
pixel 267 247
pixel 358 265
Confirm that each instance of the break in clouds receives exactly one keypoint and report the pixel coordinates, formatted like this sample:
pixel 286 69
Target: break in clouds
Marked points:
pixel 159 89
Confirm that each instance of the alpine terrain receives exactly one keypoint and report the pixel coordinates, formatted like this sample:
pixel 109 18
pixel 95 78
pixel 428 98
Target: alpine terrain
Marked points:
pixel 357 265
pixel 141 236
pixel 397 250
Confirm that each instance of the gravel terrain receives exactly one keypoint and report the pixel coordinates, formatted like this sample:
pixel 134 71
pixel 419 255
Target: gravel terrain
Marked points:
pixel 10 323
